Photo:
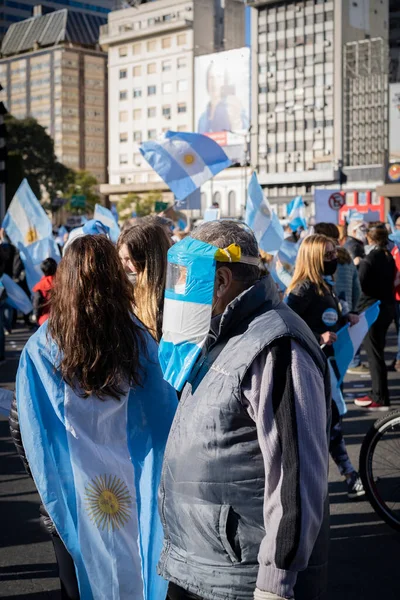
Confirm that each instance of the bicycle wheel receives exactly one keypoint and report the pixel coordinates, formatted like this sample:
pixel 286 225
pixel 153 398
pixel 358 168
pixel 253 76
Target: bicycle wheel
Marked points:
pixel 380 468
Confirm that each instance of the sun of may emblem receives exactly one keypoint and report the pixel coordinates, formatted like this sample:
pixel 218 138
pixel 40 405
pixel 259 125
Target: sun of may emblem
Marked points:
pixel 31 235
pixel 188 159
pixel 108 502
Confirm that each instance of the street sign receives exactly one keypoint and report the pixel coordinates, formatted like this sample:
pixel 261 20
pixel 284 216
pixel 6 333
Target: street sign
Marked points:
pixel 336 201
pixel 78 201
pixel 160 206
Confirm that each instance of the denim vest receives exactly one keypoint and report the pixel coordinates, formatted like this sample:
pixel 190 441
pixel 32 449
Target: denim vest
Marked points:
pixel 213 460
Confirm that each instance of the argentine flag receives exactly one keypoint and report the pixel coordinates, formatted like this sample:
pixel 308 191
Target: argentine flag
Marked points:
pixel 26 222
pixel 105 216
pixel 97 467
pixel 16 296
pixel 296 212
pixel 349 339
pixel 34 254
pixel 262 219
pixel 185 160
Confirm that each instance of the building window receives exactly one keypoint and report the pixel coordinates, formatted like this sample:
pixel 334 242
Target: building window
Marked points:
pixel 137 159
pixel 152 46
pixel 137 93
pixel 166 65
pixel 123 137
pixel 123 51
pixel 167 87
pixel 122 179
pixel 137 114
pixel 123 159
pixel 231 204
pixel 151 112
pixel 151 68
pixel 166 42
pixel 123 95
pixel 166 111
pixel 181 39
pixel 151 90
pixel 182 128
pixel 182 62
pixel 182 85
pixel 123 74
pixel 182 108
pixel 152 134
pixel 217 198
pixel 123 116
pixel 136 49
pixel 137 71
pixel 137 136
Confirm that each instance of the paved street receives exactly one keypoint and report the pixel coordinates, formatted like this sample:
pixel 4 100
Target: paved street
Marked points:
pixel 364 552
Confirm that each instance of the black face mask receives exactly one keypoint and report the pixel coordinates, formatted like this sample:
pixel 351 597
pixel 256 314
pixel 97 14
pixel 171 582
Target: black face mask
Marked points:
pixel 330 266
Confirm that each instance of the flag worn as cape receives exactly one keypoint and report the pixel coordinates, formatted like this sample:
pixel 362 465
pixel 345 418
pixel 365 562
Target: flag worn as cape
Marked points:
pixel 97 466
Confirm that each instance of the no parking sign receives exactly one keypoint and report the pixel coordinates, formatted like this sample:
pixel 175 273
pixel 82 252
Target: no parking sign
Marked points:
pixel 327 205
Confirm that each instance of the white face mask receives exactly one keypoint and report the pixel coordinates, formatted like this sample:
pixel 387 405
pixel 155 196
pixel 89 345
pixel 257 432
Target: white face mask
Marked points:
pixel 132 277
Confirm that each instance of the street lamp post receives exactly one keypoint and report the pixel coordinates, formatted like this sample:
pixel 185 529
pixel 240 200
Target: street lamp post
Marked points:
pixel 246 137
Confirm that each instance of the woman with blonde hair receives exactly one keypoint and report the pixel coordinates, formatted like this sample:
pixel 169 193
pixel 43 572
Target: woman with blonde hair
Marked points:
pixel 311 295
pixel 143 251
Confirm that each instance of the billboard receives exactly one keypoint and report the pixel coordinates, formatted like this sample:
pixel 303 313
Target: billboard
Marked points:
pixel 222 99
pixel 394 121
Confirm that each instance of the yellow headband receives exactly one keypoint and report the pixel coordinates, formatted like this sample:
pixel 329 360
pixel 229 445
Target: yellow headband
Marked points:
pixel 233 253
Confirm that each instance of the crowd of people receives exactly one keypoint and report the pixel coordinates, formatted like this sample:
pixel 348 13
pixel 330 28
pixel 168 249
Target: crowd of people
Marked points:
pixel 240 461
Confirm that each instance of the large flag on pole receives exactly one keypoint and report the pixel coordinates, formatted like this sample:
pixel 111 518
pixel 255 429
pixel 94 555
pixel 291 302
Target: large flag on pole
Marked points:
pixel 105 216
pixel 97 467
pixel 185 160
pixel 26 222
pixel 349 339
pixel 262 219
pixel 296 212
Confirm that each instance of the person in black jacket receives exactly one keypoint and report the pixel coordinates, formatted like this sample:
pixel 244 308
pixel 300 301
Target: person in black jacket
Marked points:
pixel 377 273
pixel 355 243
pixel 311 295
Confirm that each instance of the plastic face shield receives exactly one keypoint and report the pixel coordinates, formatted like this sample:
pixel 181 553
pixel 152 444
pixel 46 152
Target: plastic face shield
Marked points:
pixel 188 304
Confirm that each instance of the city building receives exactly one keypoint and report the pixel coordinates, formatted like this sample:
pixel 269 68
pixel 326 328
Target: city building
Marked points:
pixel 53 69
pixel 13 12
pixel 319 96
pixel 151 51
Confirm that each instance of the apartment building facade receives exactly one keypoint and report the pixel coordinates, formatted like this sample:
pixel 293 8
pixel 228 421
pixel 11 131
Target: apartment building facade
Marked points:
pixel 319 94
pixel 53 70
pixel 151 51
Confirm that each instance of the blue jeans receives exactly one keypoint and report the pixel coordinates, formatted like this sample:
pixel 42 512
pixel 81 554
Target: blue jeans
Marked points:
pixel 356 362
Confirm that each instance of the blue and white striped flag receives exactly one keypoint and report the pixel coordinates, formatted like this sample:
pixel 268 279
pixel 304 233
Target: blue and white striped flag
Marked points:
pixel 105 216
pixel 16 297
pixel 34 254
pixel 296 212
pixel 185 160
pixel 349 339
pixel 391 223
pixel 97 467
pixel 262 219
pixel 288 252
pixel 25 221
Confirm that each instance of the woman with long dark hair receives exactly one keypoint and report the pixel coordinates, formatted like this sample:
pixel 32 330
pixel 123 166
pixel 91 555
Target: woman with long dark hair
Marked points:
pixel 143 251
pixel 377 273
pixel 311 295
pixel 91 419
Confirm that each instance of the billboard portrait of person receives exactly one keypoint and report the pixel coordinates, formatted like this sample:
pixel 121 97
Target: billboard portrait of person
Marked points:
pixel 225 109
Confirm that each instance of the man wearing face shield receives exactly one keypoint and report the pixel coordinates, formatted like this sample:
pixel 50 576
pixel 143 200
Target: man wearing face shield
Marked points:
pixel 357 238
pixel 243 495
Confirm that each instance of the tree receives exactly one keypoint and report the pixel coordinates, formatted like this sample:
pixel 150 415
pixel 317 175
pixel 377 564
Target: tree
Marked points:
pixel 83 184
pixel 31 155
pixel 142 205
